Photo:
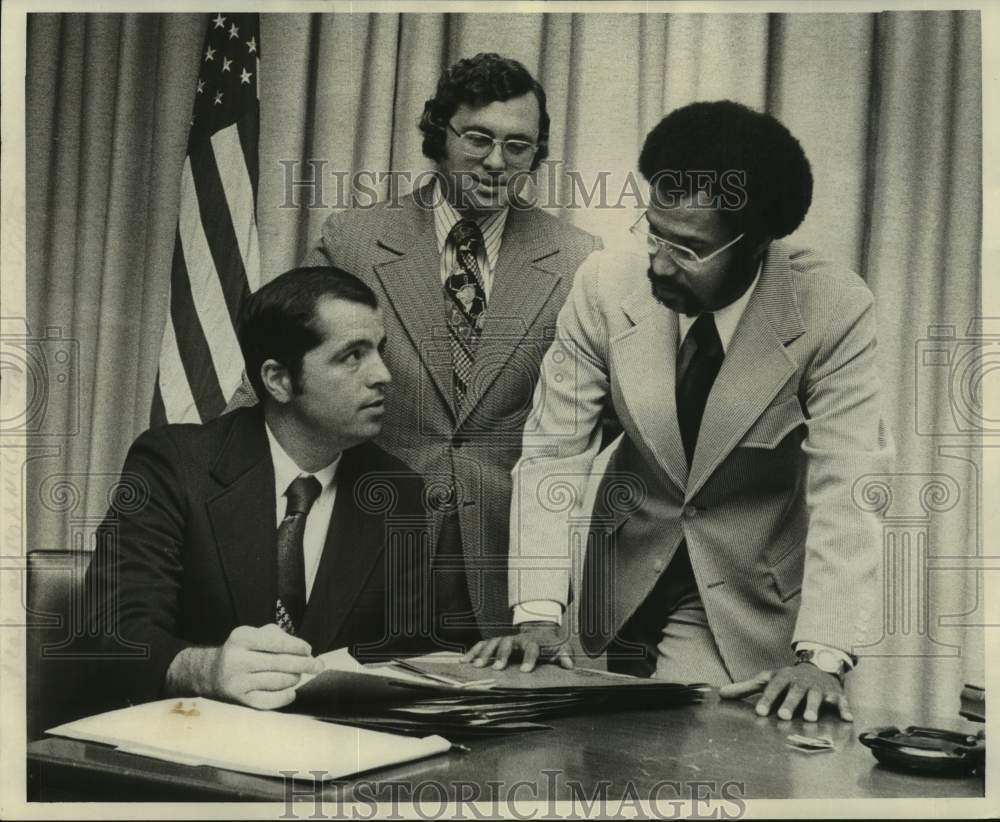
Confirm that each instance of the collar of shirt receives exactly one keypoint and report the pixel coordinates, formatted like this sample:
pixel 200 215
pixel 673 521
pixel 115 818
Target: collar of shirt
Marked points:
pixel 492 225
pixel 726 319
pixel 285 470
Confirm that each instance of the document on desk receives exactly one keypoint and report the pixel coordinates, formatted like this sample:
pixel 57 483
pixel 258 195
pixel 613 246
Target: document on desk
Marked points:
pixel 550 678
pixel 435 694
pixel 206 732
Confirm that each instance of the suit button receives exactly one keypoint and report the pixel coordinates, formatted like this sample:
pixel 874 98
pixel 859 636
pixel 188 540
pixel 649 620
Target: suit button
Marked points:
pixel 657 566
pixel 459 441
pixel 690 511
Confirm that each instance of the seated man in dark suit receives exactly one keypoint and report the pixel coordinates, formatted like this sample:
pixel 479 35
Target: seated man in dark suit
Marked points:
pixel 260 538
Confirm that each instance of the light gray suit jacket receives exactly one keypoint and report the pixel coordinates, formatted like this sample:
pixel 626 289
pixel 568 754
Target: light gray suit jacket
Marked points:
pixel 466 457
pixel 780 551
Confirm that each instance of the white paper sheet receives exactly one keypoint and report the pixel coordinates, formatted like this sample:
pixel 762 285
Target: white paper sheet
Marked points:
pixel 206 732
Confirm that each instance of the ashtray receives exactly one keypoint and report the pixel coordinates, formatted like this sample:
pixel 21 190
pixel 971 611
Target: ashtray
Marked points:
pixel 930 751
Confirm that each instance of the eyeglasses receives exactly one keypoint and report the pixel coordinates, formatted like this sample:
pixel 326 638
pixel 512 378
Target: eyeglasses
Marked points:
pixel 479 145
pixel 683 256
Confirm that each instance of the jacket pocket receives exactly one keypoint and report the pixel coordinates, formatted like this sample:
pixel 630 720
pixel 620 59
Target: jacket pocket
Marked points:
pixel 787 573
pixel 774 425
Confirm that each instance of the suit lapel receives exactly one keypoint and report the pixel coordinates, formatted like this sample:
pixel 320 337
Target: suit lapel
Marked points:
pixel 644 361
pixel 243 519
pixel 522 283
pixel 754 369
pixel 355 541
pixel 410 275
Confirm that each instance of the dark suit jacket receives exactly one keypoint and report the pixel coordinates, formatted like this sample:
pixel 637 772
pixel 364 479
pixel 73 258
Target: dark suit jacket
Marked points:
pixel 188 550
pixel 464 456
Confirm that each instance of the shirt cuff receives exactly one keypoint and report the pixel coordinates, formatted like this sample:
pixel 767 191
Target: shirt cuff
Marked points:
pixel 538 610
pixel 817 646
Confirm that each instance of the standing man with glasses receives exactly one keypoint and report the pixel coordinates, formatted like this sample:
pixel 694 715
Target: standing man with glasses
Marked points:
pixel 724 546
pixel 472 281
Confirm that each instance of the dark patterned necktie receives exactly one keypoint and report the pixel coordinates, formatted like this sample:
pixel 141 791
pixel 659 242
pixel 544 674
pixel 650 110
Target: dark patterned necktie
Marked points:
pixel 698 364
pixel 465 302
pixel 291 604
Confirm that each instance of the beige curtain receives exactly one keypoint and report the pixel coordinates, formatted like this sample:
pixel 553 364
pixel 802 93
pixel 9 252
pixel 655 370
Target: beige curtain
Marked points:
pixel 887 107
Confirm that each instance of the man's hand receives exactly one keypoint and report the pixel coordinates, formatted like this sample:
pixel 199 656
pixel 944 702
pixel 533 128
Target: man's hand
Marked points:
pixel 258 667
pixel 534 641
pixel 797 682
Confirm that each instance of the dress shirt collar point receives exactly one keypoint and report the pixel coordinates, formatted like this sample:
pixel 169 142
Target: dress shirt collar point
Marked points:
pixel 286 470
pixel 726 318
pixel 492 226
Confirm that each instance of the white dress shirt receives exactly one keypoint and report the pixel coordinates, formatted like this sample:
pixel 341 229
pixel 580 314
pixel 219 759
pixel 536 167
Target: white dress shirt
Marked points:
pixel 318 518
pixel 726 319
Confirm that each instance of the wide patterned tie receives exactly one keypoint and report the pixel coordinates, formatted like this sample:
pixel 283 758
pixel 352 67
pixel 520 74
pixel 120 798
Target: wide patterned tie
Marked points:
pixel 291 604
pixel 698 364
pixel 465 302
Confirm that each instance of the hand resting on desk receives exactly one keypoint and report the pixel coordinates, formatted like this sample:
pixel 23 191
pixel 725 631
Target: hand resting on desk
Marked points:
pixel 797 682
pixel 258 667
pixel 534 641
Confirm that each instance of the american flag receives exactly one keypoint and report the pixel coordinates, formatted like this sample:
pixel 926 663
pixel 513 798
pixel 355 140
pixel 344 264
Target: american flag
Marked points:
pixel 216 259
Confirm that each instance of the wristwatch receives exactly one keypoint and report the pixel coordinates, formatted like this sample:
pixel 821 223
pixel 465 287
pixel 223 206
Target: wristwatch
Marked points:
pixel 824 659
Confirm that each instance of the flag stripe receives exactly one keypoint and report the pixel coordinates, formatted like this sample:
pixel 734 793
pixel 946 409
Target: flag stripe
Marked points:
pixel 234 176
pixel 208 296
pixel 248 127
pixel 216 246
pixel 172 385
pixel 218 225
pixel 192 346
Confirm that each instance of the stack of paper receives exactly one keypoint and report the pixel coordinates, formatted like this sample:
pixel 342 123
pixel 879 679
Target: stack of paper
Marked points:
pixel 435 694
pixel 205 732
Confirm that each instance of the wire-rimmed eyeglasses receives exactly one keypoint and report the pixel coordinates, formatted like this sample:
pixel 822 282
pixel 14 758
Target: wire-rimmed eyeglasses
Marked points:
pixel 683 256
pixel 478 145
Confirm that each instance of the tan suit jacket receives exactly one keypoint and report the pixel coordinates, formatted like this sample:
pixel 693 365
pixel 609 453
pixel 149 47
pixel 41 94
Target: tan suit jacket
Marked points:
pixel 780 551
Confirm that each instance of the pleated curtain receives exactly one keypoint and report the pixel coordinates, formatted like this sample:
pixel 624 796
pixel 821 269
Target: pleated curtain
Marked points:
pixel 887 106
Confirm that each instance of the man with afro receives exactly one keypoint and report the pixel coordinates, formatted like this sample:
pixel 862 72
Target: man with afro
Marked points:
pixel 724 545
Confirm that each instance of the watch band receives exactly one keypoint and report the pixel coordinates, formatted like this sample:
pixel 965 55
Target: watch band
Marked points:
pixel 828 663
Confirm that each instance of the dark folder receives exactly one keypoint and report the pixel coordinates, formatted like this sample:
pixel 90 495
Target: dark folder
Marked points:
pixel 459 699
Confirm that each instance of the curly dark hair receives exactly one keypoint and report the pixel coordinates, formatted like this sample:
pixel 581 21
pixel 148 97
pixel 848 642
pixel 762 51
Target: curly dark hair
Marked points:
pixel 727 139
pixel 478 81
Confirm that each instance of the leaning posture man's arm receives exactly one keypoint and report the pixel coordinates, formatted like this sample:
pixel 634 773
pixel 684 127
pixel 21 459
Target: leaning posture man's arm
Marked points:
pixel 847 439
pixel 562 438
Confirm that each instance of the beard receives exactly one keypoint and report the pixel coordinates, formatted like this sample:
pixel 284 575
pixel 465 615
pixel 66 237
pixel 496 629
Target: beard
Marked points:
pixel 673 295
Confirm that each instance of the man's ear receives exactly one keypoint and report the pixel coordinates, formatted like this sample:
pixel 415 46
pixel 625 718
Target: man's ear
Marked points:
pixel 277 381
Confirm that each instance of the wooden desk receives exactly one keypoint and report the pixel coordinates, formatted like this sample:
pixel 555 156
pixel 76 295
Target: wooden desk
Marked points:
pixel 714 743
